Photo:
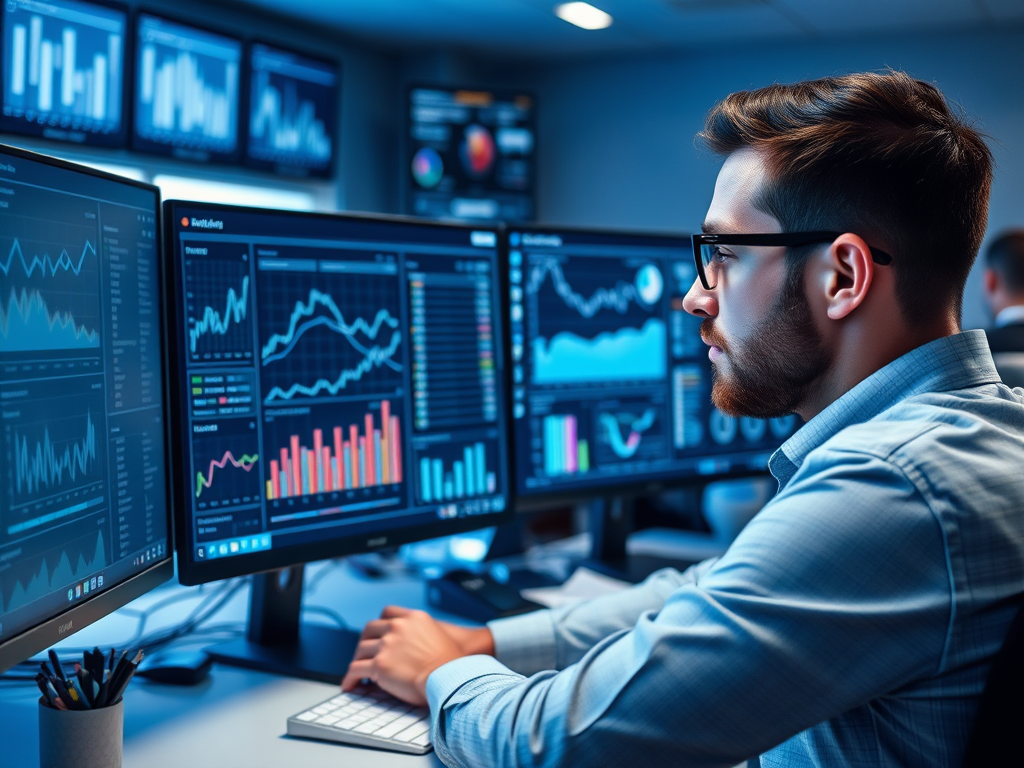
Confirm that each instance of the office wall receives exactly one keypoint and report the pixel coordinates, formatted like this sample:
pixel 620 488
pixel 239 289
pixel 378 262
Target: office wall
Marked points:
pixel 616 139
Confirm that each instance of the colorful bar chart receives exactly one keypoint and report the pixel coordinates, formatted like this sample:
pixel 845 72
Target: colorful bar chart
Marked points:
pixel 467 476
pixel 564 452
pixel 364 460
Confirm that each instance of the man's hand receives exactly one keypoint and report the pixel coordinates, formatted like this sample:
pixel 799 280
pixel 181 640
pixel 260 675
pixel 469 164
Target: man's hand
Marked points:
pixel 399 650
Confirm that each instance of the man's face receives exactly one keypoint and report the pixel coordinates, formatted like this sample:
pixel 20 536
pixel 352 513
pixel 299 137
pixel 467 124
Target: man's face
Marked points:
pixel 766 352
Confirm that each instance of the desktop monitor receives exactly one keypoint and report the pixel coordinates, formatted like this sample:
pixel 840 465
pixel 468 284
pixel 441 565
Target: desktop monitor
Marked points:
pixel 63 70
pixel 84 506
pixel 339 388
pixel 470 154
pixel 611 381
pixel 187 91
pixel 293 109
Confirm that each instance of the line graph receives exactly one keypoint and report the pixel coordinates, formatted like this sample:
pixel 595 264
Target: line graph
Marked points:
pixel 626 448
pixel 43 464
pixel 644 289
pixel 219 323
pixel 375 357
pixel 245 463
pixel 44 263
pixel 584 332
pixel 224 462
pixel 629 432
pixel 326 336
pixel 297 327
pixel 27 325
pixel 218 295
pixel 54 569
pixel 53 302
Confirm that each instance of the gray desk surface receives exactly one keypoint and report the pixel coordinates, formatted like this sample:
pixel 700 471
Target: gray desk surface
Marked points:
pixel 234 718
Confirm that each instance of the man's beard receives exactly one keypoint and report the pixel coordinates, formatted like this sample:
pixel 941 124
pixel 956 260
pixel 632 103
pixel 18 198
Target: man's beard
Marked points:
pixel 781 361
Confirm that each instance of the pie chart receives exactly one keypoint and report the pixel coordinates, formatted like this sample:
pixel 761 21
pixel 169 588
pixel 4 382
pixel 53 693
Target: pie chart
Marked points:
pixel 477 151
pixel 427 168
pixel 649 283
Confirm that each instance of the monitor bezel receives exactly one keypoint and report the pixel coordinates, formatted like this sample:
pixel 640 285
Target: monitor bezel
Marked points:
pixel 549 498
pixel 285 171
pixel 139 144
pixel 407 187
pixel 191 572
pixel 49 631
pixel 113 140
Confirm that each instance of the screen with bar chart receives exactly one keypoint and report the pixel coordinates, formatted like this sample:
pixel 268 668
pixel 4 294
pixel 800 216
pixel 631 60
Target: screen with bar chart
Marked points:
pixel 612 383
pixel 340 384
pixel 187 91
pixel 293 107
pixel 83 504
pixel 63 70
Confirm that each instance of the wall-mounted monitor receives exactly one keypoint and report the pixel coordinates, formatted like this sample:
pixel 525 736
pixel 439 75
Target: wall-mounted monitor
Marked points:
pixel 470 155
pixel 188 83
pixel 63 70
pixel 293 108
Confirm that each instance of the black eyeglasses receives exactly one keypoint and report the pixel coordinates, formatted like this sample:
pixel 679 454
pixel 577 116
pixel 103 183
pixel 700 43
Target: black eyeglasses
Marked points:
pixel 709 259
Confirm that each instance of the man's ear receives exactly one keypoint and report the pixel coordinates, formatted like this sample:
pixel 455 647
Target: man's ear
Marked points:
pixel 990 279
pixel 849 274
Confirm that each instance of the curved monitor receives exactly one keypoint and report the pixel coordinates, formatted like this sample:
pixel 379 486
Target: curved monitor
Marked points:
pixel 84 507
pixel 339 387
pixel 611 381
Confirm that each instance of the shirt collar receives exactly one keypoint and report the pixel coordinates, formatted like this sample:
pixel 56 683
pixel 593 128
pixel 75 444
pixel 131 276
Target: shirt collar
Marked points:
pixel 953 362
pixel 1010 316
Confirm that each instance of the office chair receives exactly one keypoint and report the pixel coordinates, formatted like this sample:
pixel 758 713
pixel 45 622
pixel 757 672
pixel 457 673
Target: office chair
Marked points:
pixel 1011 367
pixel 995 739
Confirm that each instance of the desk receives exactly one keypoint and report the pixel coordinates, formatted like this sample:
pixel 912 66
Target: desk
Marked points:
pixel 236 718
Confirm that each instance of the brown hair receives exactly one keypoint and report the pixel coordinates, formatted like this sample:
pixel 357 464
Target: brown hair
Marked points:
pixel 881 155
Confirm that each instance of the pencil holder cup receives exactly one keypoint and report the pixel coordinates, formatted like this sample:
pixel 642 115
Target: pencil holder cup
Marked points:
pixel 81 739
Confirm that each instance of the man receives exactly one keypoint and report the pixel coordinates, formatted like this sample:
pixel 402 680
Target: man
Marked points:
pixel 853 621
pixel 1004 292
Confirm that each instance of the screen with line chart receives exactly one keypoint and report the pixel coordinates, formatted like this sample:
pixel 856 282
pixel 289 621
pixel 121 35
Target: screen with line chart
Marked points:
pixel 63 70
pixel 612 382
pixel 187 91
pixel 83 503
pixel 340 383
pixel 293 107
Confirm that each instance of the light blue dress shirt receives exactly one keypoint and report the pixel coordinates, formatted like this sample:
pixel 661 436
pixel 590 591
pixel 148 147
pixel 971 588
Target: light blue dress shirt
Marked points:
pixel 851 623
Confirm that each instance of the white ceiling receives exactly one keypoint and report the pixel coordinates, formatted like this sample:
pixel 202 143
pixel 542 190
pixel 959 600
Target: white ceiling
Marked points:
pixel 528 27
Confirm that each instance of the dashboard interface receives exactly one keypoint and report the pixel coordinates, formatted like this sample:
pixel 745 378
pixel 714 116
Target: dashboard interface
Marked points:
pixel 83 500
pixel 612 383
pixel 340 377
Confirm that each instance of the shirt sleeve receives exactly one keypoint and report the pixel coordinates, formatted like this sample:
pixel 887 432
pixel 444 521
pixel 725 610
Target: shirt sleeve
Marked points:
pixel 835 594
pixel 554 639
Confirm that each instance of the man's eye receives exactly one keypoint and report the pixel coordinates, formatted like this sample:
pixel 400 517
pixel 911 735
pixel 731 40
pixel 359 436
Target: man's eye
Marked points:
pixel 718 256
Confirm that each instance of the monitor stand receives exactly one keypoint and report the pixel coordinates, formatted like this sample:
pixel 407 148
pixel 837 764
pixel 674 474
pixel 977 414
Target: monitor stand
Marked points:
pixel 278 642
pixel 611 520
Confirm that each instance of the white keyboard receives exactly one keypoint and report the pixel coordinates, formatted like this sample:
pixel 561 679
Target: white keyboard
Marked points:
pixel 367 717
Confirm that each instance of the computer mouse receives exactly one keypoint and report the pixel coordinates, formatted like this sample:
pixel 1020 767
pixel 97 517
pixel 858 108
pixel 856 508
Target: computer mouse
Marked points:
pixel 176 667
